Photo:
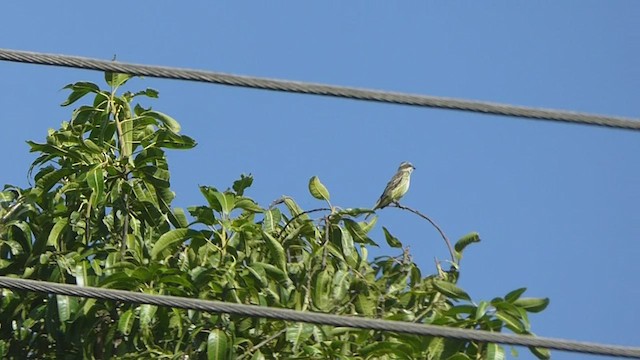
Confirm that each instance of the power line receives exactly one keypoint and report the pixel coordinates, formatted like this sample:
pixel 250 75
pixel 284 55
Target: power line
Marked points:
pixel 321 89
pixel 318 318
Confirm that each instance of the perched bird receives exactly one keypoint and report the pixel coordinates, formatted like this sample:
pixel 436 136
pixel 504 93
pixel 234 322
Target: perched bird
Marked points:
pixel 397 186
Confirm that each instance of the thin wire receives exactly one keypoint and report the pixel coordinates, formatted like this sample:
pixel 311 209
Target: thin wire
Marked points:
pixel 318 318
pixel 320 89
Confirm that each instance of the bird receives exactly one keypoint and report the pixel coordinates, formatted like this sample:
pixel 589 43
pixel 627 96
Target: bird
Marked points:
pixel 397 186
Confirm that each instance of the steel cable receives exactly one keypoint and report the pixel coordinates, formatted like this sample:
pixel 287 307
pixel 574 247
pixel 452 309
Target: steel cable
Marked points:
pixel 320 89
pixel 318 318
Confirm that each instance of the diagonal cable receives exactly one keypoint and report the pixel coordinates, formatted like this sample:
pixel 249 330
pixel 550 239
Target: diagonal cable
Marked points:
pixel 320 89
pixel 318 318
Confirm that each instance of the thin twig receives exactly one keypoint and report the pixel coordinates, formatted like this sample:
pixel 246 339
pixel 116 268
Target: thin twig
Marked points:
pixel 446 240
pixel 327 228
pixel 125 227
pixel 262 343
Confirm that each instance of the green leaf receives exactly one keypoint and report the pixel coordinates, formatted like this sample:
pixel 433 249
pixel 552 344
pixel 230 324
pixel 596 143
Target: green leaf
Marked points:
pixel 46 149
pixel 318 190
pixel 341 284
pixel 95 180
pixel 89 306
pixel 273 272
pixel 176 279
pixel 165 119
pixel 170 140
pixel 358 233
pixel 213 201
pixel 171 238
pixel 150 156
pixel 387 350
pixel 295 231
pixel 125 324
pixel 298 333
pixel 67 307
pixel 4 349
pixel 495 352
pixel 8 195
pixel 511 322
pixel 354 211
pixel 226 200
pixel 181 218
pixel 259 273
pixel 241 184
pixel 514 295
pixel 83 114
pixel 147 315
pixel 145 191
pixel 365 305
pixel 276 251
pixel 148 92
pixel 461 309
pixel 391 240
pixel 64 313
pixel 106 130
pixel 82 275
pixel 367 226
pixel 202 214
pixel 346 243
pixel 436 348
pixel 54 234
pixel 450 290
pixel 294 209
pixel 248 205
pixel 533 305
pixel 481 310
pixel 46 182
pixel 218 345
pixel 465 241
pixel 92 147
pixel 221 202
pixel 398 283
pixel 155 175
pixel 461 356
pixel 16 247
pixel 126 124
pixel 115 80
pixel 78 90
pixel 540 353
pixel 141 274
pixel 271 220
pixel 321 289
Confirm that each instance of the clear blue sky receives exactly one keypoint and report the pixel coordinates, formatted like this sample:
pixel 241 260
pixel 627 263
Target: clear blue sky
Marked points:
pixel 557 205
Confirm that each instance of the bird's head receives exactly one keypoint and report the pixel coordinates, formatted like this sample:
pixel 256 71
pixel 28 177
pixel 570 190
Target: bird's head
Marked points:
pixel 406 167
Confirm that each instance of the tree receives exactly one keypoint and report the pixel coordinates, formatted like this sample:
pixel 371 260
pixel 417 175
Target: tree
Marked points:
pixel 100 214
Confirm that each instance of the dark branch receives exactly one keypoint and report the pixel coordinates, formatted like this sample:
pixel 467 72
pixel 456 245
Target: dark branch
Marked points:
pixel 444 237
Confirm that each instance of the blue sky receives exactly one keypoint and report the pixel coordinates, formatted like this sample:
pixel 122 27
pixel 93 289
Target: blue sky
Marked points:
pixel 556 204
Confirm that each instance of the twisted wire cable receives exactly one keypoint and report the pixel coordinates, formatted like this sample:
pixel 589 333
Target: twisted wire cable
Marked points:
pixel 320 89
pixel 318 318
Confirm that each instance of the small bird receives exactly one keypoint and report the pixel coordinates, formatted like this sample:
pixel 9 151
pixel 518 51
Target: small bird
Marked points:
pixel 397 186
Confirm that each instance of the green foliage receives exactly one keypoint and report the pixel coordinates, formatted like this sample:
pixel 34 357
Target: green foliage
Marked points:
pixel 100 214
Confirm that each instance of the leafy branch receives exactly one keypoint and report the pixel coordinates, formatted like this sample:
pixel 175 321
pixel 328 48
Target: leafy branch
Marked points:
pixel 102 189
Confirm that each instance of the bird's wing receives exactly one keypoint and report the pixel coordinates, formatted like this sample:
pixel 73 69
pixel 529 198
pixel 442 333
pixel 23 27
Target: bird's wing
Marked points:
pixel 388 191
